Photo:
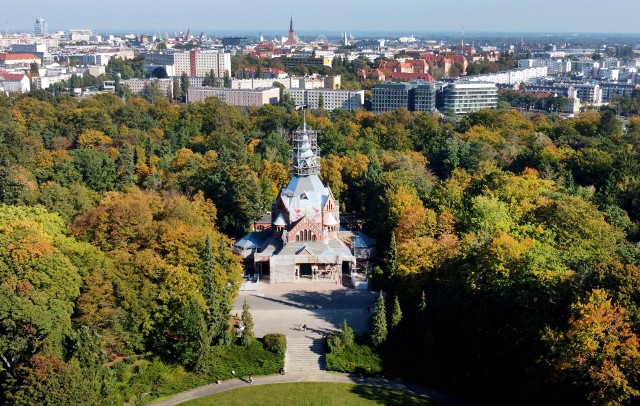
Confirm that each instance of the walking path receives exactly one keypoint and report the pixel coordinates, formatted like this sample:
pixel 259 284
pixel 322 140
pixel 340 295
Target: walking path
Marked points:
pixel 316 376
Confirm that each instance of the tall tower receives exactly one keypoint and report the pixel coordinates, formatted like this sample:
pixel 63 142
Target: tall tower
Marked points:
pixel 291 25
pixel 40 27
pixel 305 153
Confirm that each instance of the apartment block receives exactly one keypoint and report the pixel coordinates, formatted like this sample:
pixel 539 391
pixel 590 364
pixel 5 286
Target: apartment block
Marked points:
pixel 332 99
pixel 194 62
pixel 235 97
pixel 137 86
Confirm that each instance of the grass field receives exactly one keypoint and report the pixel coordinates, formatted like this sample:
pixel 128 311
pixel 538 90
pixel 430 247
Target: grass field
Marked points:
pixel 311 393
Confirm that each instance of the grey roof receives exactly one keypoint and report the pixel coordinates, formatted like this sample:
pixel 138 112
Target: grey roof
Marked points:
pixel 358 238
pixel 252 240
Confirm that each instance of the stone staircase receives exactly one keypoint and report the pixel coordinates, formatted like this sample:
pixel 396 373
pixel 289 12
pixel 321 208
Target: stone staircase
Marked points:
pixel 304 354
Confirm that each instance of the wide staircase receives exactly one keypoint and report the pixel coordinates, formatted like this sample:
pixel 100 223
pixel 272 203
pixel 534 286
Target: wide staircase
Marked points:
pixel 304 354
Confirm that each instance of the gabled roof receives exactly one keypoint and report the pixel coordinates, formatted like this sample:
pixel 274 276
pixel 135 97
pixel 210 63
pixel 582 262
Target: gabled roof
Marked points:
pixel 17 77
pixel 16 57
pixel 330 220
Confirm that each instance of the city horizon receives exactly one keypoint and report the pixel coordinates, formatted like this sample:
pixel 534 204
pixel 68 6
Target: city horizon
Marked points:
pixel 490 16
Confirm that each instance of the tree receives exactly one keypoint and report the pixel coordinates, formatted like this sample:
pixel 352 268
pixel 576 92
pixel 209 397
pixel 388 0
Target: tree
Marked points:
pixel 396 314
pixel 320 102
pixel 379 322
pixel 599 353
pixel 247 319
pixel 392 257
pixel 184 85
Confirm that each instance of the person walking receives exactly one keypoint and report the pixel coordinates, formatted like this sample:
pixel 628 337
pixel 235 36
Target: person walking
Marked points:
pixel 250 379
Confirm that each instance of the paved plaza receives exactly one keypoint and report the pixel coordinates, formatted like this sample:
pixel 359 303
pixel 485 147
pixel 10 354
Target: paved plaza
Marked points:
pixel 282 308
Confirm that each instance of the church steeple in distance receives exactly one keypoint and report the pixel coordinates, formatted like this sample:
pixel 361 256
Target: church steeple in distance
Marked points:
pixel 291 25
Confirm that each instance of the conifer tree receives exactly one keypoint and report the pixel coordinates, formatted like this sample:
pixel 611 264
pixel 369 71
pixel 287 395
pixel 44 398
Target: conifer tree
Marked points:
pixel 396 314
pixel 423 302
pixel 247 319
pixel 379 322
pixel 392 257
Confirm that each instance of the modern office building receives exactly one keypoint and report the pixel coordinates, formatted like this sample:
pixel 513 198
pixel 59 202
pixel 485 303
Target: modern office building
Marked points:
pixel 40 28
pixel 467 97
pixel 391 96
pixel 350 100
pixel 235 97
pixel 425 96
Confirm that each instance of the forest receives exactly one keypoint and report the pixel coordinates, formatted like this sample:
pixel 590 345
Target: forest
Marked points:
pixel 510 240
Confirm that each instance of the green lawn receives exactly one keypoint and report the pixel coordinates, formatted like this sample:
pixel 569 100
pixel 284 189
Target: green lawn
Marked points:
pixel 312 393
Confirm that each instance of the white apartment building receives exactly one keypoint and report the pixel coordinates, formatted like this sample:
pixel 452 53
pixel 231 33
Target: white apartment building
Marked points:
pixel 258 83
pixel 511 77
pixel 14 82
pixel 587 92
pixel 200 63
pixel 235 97
pixel 350 100
pixel 554 65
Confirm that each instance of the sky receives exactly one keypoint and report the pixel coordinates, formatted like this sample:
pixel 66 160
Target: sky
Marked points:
pixel 326 17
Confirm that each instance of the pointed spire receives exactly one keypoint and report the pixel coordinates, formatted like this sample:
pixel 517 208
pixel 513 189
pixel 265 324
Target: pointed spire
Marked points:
pixel 291 24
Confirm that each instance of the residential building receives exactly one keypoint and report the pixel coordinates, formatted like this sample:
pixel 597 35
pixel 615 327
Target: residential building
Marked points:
pixel 589 93
pixel 290 61
pixel 138 86
pixel 18 59
pixel 511 77
pixel 467 97
pixel 609 89
pixel 332 99
pixel 14 82
pixel 236 97
pixel 194 62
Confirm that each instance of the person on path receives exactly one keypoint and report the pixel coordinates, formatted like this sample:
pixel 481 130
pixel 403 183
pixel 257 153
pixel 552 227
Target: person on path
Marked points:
pixel 250 379
pixel 304 327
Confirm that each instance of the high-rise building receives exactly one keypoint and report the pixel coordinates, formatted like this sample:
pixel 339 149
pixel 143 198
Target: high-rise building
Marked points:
pixel 40 28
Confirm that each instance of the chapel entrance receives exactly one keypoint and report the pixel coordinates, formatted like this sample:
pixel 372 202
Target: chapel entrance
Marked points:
pixel 305 271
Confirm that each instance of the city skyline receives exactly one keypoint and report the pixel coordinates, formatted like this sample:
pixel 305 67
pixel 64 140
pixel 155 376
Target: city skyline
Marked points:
pixel 407 16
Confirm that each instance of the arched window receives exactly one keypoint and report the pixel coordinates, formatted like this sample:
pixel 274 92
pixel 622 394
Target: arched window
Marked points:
pixel 314 237
pixel 297 237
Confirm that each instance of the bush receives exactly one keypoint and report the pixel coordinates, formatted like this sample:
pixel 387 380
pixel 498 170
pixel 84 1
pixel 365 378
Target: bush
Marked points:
pixel 255 359
pixel 276 343
pixel 228 338
pixel 334 343
pixel 358 358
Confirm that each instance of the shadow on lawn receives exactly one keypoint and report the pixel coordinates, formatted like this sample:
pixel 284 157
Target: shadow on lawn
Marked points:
pixel 385 397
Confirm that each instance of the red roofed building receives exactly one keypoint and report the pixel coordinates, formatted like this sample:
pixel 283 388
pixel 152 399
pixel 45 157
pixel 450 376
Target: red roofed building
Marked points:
pixel 18 59
pixel 14 82
pixel 251 72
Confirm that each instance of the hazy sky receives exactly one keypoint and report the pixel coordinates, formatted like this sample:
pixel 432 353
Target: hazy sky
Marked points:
pixel 327 16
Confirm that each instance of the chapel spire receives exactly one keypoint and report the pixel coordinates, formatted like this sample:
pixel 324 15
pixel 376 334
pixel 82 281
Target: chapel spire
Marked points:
pixel 306 153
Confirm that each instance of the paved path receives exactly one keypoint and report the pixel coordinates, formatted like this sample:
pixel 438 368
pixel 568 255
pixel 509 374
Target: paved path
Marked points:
pixel 313 377
pixel 282 308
